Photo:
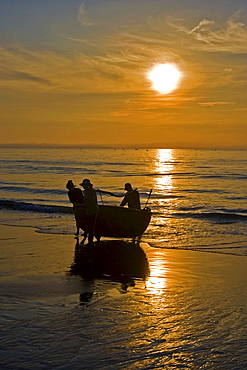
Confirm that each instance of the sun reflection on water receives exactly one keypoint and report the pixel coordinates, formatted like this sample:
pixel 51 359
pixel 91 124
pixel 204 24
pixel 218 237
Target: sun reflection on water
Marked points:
pixel 164 184
pixel 164 166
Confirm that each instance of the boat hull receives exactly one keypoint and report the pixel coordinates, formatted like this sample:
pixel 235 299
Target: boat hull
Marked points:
pixel 115 221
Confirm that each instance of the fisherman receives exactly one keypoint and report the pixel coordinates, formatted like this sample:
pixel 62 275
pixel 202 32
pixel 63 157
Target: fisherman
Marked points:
pixel 91 207
pixel 132 197
pixel 77 199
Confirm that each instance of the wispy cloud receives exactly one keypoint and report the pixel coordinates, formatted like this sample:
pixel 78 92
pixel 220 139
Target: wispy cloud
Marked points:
pixel 214 103
pixel 241 109
pixel 202 26
pixel 211 37
pixel 23 76
pixel 20 68
pixel 119 61
pixel 83 17
pixel 148 106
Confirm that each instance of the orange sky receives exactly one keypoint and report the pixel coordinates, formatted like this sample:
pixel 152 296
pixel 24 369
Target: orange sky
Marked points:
pixel 77 74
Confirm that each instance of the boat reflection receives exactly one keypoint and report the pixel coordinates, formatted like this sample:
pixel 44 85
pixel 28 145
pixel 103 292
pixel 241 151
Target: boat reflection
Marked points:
pixel 118 260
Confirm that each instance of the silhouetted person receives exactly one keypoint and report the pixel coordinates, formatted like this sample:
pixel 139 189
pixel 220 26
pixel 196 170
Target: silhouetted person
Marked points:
pixel 77 199
pixel 75 194
pixel 132 197
pixel 91 208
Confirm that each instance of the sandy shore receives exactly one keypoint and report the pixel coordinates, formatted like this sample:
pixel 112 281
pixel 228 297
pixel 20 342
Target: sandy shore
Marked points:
pixel 189 313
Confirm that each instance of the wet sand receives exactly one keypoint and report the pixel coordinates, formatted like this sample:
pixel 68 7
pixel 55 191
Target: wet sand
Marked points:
pixel 189 313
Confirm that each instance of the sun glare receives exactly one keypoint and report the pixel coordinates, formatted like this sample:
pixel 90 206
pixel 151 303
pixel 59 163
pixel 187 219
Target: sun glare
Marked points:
pixel 164 77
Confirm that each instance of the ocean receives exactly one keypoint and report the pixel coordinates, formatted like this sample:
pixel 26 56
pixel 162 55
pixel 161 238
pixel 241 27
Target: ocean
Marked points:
pixel 198 200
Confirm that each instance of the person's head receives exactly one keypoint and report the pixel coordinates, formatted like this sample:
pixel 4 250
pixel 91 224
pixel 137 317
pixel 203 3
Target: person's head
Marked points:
pixel 128 186
pixel 86 184
pixel 70 185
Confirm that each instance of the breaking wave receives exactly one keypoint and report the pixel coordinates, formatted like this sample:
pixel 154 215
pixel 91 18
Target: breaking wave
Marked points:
pixel 221 216
pixel 40 208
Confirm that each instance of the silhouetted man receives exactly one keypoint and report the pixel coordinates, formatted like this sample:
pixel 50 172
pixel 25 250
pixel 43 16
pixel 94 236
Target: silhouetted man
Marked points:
pixel 92 208
pixel 132 197
pixel 77 199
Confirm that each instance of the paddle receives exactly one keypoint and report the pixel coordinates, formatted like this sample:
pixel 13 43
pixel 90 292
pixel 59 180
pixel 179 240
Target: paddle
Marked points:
pixel 149 195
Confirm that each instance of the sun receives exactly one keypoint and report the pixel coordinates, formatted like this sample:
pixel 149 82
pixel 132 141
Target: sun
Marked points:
pixel 164 77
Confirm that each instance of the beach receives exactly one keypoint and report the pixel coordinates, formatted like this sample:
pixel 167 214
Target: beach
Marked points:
pixel 188 312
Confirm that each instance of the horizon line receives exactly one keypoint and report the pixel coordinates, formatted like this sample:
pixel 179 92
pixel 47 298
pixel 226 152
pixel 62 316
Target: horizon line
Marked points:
pixel 100 146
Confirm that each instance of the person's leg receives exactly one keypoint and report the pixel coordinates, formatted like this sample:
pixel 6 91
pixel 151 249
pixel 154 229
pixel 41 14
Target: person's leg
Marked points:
pixel 90 238
pixel 91 227
pixel 77 229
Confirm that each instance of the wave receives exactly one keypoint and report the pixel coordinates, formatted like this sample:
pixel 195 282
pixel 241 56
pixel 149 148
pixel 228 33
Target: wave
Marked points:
pixel 216 216
pixel 214 191
pixel 24 189
pixel 225 176
pixel 30 207
pixel 51 169
pixel 219 216
pixel 238 198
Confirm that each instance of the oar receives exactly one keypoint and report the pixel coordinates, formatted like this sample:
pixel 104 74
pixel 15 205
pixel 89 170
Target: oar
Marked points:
pixel 149 195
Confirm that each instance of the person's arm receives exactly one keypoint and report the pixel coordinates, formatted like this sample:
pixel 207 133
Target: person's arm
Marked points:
pixel 70 198
pixel 104 192
pixel 109 193
pixel 124 201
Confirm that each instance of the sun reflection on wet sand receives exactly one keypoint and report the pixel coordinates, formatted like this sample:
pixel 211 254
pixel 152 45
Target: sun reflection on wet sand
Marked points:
pixel 156 282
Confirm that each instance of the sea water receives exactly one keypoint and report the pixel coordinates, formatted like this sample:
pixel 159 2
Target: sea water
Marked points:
pixel 198 199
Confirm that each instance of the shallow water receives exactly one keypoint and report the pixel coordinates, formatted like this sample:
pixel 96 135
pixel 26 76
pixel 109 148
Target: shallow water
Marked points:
pixel 198 196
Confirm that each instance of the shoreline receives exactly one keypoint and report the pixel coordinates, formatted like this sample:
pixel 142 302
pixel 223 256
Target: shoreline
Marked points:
pixel 33 256
pixel 36 230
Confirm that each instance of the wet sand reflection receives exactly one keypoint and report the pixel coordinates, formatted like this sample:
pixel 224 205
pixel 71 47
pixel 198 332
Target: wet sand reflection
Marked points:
pixel 117 260
pixel 156 282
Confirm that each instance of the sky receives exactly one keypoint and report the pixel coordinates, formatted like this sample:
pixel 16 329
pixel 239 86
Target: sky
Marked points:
pixel 77 73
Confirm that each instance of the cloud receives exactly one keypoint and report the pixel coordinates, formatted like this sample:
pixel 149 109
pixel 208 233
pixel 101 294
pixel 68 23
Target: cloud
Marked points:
pixel 124 56
pixel 214 103
pixel 82 17
pixel 80 73
pixel 117 59
pixel 202 26
pixel 23 76
pixel 20 68
pixel 208 36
